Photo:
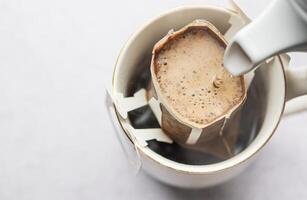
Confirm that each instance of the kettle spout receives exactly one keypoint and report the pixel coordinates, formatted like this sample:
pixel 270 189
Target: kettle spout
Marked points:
pixel 282 27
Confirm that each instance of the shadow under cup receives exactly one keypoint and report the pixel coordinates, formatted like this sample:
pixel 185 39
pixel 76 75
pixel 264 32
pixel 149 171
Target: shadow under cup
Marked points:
pixel 260 114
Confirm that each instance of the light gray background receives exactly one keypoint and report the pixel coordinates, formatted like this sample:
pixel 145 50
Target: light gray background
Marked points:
pixel 56 141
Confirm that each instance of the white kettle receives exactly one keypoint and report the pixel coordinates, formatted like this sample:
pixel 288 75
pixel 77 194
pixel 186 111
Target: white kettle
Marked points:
pixel 281 28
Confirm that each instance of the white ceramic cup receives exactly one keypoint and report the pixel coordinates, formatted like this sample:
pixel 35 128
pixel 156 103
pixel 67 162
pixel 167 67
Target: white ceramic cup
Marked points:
pixel 275 80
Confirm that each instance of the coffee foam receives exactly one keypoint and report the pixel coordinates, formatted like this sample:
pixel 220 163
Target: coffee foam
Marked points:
pixel 191 76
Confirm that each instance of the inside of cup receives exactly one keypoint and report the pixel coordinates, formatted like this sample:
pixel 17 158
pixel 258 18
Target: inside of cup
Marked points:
pixel 261 111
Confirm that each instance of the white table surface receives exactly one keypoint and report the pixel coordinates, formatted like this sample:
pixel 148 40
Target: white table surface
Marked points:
pixel 56 141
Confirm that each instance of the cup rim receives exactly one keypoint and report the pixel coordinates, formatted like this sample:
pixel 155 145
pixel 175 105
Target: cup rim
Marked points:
pixel 236 160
